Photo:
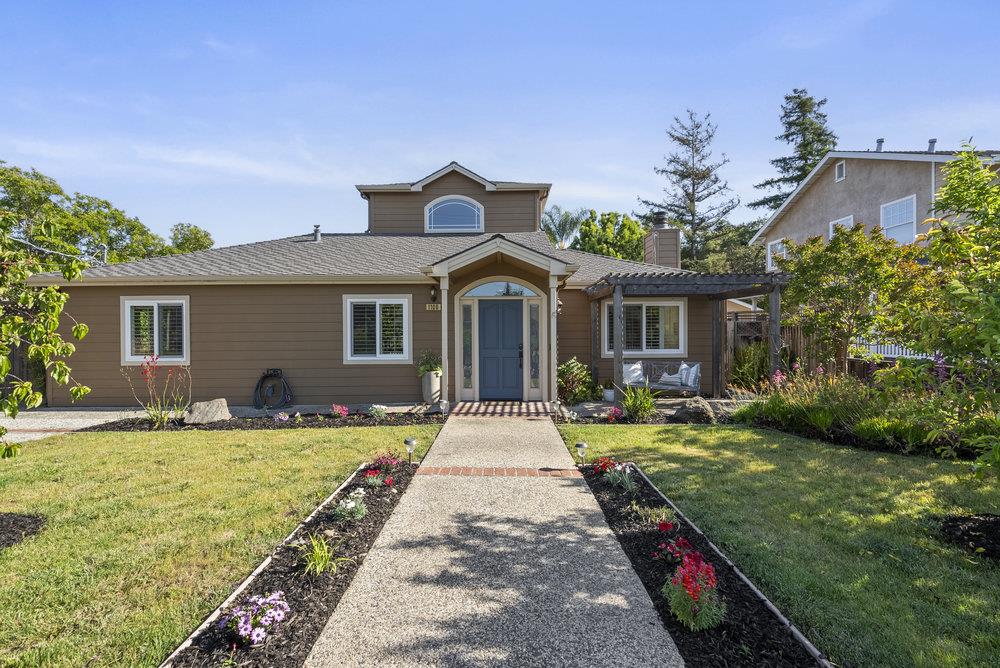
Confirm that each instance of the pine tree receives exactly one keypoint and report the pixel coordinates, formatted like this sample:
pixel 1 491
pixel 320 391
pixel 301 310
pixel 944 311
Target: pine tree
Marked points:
pixel 697 198
pixel 807 132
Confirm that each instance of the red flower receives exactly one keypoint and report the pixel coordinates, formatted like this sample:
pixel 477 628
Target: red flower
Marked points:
pixel 665 526
pixel 389 481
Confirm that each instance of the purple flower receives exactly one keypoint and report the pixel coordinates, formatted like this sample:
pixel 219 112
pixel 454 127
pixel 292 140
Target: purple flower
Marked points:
pixel 820 370
pixel 258 635
pixel 281 417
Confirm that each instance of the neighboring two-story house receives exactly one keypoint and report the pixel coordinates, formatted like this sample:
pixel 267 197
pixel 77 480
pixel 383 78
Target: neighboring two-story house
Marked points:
pixel 891 189
pixel 452 263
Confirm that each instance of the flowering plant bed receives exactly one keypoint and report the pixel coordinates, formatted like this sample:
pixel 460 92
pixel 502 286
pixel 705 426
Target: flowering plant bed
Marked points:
pixel 660 546
pixel 280 614
pixel 311 421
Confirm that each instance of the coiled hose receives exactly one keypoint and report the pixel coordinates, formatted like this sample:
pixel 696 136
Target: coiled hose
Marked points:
pixel 266 394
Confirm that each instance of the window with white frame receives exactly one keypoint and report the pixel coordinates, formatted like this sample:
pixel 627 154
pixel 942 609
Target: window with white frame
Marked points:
pixel 899 219
pixel 840 171
pixel 648 327
pixel 377 328
pixel 775 249
pixel 847 222
pixel 453 213
pixel 155 327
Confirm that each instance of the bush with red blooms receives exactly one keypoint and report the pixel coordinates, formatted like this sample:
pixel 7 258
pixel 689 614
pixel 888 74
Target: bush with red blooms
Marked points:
pixel 693 593
pixel 386 461
pixel 604 464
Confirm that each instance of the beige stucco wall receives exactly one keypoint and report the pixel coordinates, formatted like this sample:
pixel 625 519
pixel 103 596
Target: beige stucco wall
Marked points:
pixel 869 184
pixel 504 211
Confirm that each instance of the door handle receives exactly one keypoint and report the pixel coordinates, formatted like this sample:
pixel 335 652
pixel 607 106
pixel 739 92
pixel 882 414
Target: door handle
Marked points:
pixel 520 356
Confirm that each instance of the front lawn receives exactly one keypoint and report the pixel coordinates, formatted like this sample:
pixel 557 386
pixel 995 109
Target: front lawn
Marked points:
pixel 844 541
pixel 147 533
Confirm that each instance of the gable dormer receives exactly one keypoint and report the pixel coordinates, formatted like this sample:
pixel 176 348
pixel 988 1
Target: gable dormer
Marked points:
pixel 454 200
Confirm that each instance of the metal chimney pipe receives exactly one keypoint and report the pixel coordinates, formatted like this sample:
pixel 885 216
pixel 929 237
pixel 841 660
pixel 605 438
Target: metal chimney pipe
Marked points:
pixel 878 144
pixel 660 219
pixel 931 145
pixel 316 234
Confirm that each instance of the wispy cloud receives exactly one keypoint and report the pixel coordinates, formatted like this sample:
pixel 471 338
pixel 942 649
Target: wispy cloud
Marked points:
pixel 820 28
pixel 228 49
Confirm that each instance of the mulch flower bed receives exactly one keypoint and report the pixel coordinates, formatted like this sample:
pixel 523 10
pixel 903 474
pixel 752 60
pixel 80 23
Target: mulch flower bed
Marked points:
pixel 15 527
pixel 979 534
pixel 310 599
pixel 311 421
pixel 749 635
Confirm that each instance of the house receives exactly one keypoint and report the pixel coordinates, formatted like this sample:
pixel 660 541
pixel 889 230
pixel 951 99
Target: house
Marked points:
pixel 891 189
pixel 453 263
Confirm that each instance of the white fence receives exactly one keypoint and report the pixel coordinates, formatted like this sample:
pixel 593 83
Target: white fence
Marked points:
pixel 890 350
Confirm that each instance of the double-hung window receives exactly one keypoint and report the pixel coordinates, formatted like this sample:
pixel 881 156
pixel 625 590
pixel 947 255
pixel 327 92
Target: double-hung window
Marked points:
pixel 155 327
pixel 657 327
pixel 899 219
pixel 774 249
pixel 847 222
pixel 377 328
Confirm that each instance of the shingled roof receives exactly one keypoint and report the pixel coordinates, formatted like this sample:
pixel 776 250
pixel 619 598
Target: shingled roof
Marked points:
pixel 378 258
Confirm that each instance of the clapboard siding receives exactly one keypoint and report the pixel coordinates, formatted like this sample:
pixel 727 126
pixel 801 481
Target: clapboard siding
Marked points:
pixel 505 211
pixel 239 331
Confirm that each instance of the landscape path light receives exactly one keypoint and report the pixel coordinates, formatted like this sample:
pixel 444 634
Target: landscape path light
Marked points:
pixel 411 444
pixel 581 451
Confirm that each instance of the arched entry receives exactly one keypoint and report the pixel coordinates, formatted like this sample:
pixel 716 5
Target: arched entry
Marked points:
pixel 501 340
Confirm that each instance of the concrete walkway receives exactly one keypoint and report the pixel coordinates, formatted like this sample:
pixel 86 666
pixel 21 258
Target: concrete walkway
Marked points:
pixel 43 422
pixel 490 569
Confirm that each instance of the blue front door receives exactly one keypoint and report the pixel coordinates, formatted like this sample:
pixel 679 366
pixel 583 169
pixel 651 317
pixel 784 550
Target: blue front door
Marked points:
pixel 500 349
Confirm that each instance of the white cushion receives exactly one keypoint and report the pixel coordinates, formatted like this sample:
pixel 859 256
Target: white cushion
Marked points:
pixel 670 378
pixel 632 373
pixel 690 374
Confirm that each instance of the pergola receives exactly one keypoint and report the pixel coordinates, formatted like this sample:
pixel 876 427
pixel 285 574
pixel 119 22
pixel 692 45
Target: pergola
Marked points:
pixel 716 287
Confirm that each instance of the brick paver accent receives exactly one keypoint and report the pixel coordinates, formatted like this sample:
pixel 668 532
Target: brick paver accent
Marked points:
pixel 509 472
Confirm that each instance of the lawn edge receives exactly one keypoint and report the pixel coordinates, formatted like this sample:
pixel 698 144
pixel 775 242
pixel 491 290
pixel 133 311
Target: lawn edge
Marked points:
pixel 212 616
pixel 796 633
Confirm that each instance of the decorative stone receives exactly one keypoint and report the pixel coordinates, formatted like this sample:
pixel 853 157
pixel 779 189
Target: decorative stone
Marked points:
pixel 696 410
pixel 203 412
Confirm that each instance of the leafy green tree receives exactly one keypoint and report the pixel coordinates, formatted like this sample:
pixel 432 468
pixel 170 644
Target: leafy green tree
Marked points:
pixel 613 234
pixel 841 290
pixel 33 220
pixel 697 198
pixel 94 223
pixel 806 130
pixel 561 225
pixel 731 252
pixel 187 238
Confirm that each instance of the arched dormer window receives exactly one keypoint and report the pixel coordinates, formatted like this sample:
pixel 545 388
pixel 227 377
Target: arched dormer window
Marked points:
pixel 453 213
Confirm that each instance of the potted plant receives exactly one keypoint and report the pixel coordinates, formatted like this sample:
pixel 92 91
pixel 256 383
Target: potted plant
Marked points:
pixel 609 391
pixel 429 372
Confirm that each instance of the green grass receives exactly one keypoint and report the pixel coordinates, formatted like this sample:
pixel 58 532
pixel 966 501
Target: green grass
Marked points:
pixel 842 540
pixel 147 533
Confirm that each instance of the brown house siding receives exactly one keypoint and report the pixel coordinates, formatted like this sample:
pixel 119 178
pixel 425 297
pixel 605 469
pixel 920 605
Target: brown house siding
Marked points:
pixel 238 331
pixel 505 211
pixel 575 327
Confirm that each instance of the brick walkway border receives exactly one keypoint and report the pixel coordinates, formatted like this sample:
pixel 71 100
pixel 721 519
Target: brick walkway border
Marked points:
pixel 500 409
pixel 491 471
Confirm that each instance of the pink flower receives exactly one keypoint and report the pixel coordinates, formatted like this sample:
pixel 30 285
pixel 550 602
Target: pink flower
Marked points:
pixel 819 369
pixel 778 378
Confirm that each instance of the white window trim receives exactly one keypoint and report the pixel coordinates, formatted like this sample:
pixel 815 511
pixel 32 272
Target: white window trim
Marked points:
pixel 846 222
pixel 125 304
pixel 477 204
pixel 770 260
pixel 668 353
pixel 913 223
pixel 836 166
pixel 406 357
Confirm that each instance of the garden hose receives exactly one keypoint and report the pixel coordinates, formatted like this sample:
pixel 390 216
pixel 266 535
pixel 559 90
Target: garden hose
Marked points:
pixel 266 394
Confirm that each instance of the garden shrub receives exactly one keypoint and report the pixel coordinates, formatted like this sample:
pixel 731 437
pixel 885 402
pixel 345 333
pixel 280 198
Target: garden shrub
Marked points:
pixel 693 593
pixel 575 384
pixel 638 404
pixel 751 365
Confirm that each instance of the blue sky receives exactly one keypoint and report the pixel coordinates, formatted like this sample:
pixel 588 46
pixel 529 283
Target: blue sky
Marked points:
pixel 254 121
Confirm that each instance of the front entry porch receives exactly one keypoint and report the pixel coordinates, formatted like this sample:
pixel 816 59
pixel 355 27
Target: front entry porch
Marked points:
pixel 501 409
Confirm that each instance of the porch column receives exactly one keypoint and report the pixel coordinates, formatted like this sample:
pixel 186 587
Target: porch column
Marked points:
pixel 774 329
pixel 717 314
pixel 595 339
pixel 553 341
pixel 617 315
pixel 444 343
